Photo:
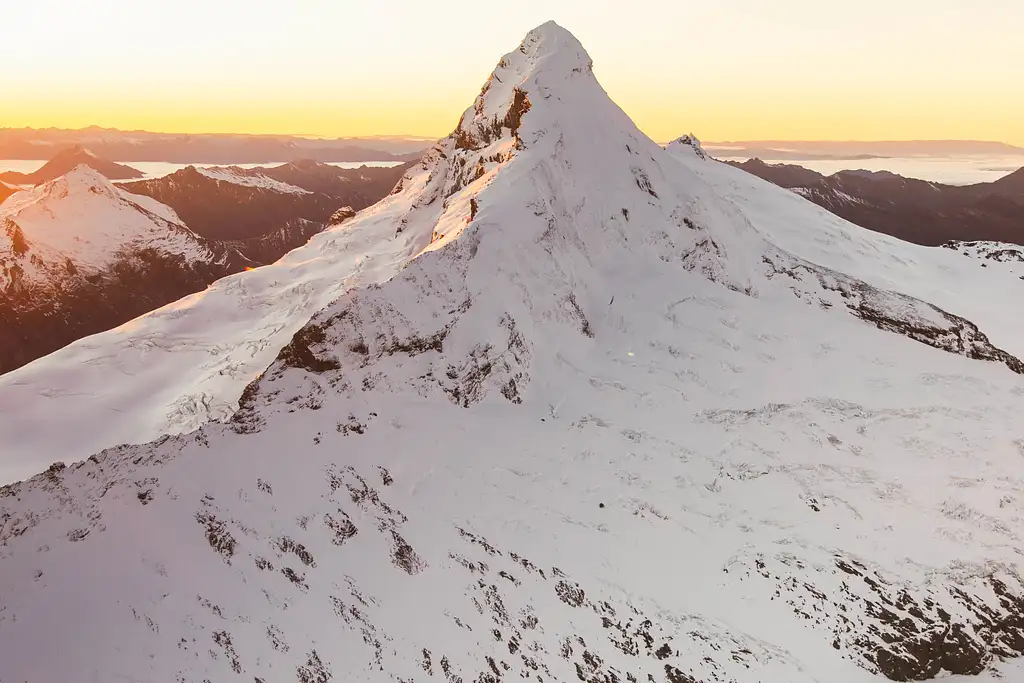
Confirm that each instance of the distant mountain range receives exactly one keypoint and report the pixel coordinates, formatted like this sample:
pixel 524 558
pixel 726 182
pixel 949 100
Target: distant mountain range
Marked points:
pixel 796 150
pixel 913 210
pixel 128 146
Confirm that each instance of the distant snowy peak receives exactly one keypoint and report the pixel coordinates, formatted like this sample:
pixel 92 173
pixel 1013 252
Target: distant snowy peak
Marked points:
pixel 248 178
pixel 689 144
pixel 80 223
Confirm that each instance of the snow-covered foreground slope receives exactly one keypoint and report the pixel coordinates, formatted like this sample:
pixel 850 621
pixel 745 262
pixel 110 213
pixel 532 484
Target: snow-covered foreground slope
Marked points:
pixel 617 423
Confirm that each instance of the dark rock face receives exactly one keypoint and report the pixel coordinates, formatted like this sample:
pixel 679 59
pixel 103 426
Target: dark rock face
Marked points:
pixel 67 160
pixel 222 210
pixel 913 210
pixel 6 191
pixel 342 215
pixel 988 251
pixel 903 635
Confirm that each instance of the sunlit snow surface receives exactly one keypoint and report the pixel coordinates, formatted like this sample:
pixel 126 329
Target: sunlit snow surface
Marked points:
pixel 618 421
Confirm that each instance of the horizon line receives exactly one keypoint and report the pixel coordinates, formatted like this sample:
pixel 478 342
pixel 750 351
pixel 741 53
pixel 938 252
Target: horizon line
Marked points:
pixel 421 137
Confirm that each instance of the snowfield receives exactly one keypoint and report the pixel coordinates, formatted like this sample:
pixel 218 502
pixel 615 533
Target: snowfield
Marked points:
pixel 565 406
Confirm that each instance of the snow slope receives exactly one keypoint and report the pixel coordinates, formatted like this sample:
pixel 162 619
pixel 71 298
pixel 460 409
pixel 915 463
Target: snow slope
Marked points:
pixel 617 421
pixel 83 220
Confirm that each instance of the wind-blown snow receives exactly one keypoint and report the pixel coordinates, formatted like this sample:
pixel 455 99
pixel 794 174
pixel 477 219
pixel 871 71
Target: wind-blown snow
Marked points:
pixel 626 416
pixel 248 178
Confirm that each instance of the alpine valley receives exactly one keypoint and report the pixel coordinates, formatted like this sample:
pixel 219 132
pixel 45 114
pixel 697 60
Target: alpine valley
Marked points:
pixel 565 406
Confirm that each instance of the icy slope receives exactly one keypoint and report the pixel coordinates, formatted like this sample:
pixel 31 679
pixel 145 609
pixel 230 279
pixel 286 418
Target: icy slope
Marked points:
pixel 605 428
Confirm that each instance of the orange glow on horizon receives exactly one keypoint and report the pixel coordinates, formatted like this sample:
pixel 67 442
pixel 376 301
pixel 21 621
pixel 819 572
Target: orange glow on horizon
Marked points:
pixel 733 70
pixel 810 117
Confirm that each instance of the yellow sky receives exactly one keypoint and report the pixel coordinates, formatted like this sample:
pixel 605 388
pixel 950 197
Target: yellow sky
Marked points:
pixel 726 70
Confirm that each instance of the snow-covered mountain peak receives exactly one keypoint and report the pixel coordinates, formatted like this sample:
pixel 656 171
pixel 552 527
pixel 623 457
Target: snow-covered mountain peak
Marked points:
pixel 548 58
pixel 81 178
pixel 688 144
pixel 78 224
pixel 83 151
pixel 540 212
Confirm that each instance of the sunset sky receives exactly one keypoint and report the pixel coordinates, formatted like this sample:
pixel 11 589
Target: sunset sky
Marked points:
pixel 724 69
